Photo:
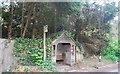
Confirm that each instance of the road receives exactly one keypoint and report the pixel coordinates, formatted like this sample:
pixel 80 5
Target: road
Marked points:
pixel 107 68
pixel 114 70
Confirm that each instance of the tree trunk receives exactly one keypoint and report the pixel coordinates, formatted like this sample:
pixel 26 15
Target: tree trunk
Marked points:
pixel 33 33
pixel 26 26
pixel 77 29
pixel 10 22
pixel 35 22
pixel 34 30
pixel 55 22
pixel 10 31
pixel 22 21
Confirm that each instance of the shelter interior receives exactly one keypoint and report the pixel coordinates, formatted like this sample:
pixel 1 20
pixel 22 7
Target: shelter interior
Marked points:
pixel 63 53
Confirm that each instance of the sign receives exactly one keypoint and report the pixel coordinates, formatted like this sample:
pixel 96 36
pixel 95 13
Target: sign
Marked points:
pixel 46 28
pixel 72 49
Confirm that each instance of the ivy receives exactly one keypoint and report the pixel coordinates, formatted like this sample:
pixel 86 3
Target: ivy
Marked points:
pixel 31 52
pixel 80 47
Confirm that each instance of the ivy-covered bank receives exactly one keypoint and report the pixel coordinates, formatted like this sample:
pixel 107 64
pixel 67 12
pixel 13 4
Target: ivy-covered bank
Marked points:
pixel 29 52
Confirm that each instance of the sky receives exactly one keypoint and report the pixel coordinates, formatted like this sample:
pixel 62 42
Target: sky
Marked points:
pixel 101 2
pixel 98 1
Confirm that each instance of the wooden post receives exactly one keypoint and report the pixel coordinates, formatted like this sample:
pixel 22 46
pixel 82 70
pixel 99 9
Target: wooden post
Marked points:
pixel 44 42
pixel 55 53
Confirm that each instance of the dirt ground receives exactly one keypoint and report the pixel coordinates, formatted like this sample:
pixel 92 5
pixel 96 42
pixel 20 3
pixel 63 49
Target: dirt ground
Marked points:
pixel 86 65
pixel 93 62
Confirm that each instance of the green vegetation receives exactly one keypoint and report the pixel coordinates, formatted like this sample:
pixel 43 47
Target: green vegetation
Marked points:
pixel 30 52
pixel 88 24
pixel 112 52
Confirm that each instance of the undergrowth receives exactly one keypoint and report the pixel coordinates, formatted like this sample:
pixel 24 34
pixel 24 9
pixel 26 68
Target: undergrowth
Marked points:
pixel 112 52
pixel 30 52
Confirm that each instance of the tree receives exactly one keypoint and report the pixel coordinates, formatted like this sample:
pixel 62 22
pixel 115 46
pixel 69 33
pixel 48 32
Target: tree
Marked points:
pixel 87 21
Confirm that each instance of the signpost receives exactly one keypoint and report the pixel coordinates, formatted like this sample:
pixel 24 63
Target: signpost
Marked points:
pixel 45 31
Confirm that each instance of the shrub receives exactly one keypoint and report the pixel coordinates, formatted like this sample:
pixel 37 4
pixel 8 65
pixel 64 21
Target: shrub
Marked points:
pixel 112 52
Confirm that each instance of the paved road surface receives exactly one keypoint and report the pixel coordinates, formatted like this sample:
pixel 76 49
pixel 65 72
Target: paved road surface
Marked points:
pixel 114 70
pixel 110 68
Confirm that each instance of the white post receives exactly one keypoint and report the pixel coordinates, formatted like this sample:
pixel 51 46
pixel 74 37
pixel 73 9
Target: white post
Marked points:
pixel 45 30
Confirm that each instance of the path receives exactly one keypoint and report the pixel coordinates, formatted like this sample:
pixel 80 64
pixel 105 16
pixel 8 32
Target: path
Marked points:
pixel 67 68
pixel 107 68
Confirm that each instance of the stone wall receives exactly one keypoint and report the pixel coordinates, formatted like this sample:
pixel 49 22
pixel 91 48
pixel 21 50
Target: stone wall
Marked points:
pixel 6 58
